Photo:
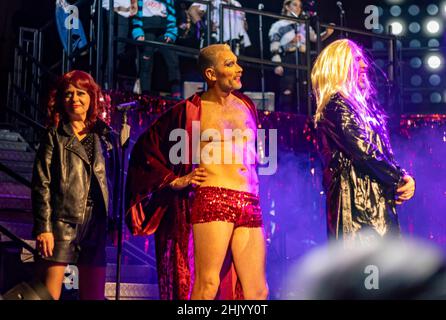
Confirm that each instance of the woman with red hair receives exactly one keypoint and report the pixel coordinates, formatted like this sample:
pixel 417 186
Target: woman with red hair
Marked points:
pixel 69 188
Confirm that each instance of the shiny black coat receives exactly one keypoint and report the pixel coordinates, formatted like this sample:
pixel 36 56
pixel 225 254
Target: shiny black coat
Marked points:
pixel 62 175
pixel 360 173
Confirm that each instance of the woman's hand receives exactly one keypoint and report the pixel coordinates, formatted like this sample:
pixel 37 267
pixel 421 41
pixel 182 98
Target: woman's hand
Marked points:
pixel 406 191
pixel 195 178
pixel 45 244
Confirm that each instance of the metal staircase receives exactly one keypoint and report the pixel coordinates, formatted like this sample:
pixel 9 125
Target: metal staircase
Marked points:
pixel 15 198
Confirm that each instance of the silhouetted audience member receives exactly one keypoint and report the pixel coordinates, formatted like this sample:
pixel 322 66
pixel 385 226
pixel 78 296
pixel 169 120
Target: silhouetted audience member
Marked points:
pixel 386 269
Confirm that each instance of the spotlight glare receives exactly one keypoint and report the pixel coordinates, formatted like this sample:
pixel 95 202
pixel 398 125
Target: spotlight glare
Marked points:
pixel 434 62
pixel 432 26
pixel 397 28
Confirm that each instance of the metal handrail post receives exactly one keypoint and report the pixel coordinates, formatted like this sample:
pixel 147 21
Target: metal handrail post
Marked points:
pixel 308 62
pixel 111 35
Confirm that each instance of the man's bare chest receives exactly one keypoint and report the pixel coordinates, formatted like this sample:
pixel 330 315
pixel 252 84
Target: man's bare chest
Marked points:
pixel 233 117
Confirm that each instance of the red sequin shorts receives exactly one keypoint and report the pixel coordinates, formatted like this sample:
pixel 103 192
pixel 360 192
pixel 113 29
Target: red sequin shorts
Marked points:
pixel 220 204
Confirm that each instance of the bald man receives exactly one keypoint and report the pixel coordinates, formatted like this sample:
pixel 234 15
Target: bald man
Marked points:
pixel 226 213
pixel 222 224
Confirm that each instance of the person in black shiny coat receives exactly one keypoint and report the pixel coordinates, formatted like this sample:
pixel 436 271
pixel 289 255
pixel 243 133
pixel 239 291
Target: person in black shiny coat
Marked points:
pixel 70 196
pixel 362 181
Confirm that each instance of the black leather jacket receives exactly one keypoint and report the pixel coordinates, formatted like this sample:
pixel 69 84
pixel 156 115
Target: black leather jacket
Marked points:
pixel 61 177
pixel 360 173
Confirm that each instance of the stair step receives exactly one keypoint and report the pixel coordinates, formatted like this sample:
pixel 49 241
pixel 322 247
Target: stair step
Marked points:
pixel 20 229
pixel 15 146
pixel 132 273
pixel 6 135
pixel 17 156
pixel 7 178
pixel 132 291
pixel 18 166
pixel 111 253
pixel 13 203
pixel 128 258
pixel 14 190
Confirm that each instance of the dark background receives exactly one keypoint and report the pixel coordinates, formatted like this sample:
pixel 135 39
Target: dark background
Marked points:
pixel 35 14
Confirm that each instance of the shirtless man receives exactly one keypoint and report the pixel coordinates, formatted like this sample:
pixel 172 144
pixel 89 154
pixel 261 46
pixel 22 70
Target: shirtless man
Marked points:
pixel 224 216
pixel 226 211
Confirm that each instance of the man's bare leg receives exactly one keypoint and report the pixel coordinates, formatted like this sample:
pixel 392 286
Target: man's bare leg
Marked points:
pixel 248 251
pixel 211 242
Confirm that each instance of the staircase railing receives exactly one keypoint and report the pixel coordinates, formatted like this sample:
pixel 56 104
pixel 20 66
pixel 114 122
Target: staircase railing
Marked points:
pixel 139 254
pixel 3 229
pixel 17 240
pixel 4 168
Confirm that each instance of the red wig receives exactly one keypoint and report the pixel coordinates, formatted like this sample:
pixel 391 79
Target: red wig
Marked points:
pixel 83 81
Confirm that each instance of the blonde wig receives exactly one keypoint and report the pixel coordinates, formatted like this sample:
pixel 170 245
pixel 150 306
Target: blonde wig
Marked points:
pixel 338 70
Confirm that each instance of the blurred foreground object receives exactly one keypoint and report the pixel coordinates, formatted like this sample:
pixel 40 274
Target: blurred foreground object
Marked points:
pixel 387 269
